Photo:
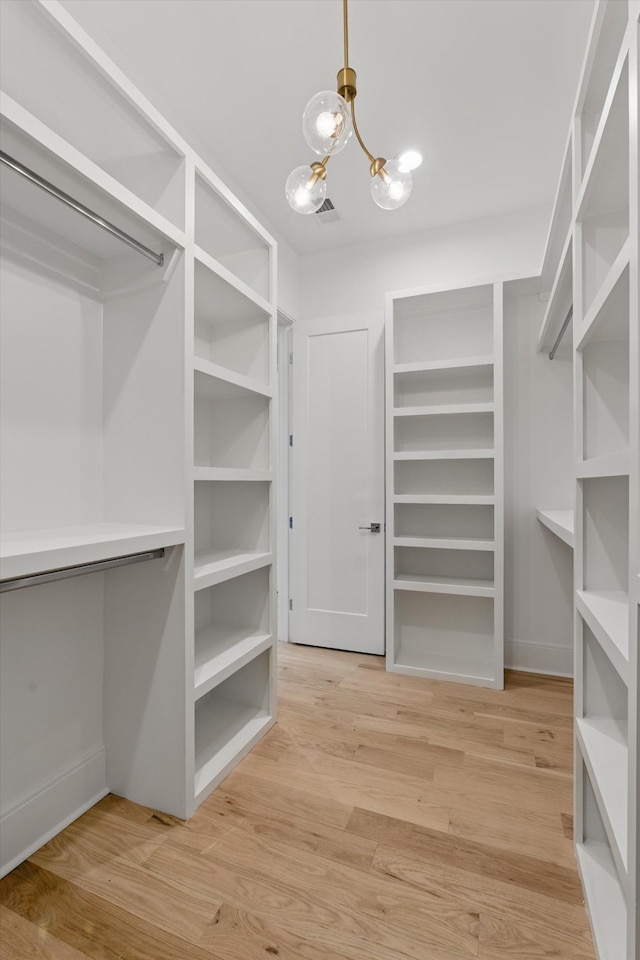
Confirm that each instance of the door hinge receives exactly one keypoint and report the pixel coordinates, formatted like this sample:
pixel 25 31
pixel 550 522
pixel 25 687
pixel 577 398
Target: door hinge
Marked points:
pixel 290 604
pixel 290 439
pixel 290 523
pixel 291 358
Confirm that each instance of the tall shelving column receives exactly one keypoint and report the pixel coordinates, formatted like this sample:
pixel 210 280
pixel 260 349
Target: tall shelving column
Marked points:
pixel 606 400
pixel 445 484
pixel 234 419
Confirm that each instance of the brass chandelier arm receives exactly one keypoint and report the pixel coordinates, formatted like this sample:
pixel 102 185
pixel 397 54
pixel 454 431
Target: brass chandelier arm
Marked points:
pixel 357 132
pixel 377 163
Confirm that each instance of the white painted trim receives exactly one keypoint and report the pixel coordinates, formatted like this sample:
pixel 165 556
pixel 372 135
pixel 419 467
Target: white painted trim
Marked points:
pixel 461 284
pixel 531 657
pixel 283 473
pixel 46 812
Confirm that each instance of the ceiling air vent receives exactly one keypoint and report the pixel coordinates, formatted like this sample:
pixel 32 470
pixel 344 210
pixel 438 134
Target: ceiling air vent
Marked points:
pixel 327 212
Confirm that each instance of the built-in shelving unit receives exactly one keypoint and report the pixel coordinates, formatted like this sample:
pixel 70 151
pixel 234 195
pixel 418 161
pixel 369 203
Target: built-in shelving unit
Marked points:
pixel 137 419
pixel 603 235
pixel 233 496
pixel 444 484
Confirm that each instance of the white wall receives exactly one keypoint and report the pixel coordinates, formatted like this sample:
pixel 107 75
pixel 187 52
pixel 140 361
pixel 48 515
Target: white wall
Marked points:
pixel 538 458
pixel 538 473
pixel 356 278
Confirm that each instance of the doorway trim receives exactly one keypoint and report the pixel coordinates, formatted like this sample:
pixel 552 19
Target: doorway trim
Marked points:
pixel 283 472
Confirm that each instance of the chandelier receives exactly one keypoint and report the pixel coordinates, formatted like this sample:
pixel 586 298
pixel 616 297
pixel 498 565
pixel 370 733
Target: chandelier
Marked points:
pixel 328 121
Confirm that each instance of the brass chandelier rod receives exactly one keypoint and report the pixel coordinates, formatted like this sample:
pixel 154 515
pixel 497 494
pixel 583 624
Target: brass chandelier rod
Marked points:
pixel 347 89
pixel 345 20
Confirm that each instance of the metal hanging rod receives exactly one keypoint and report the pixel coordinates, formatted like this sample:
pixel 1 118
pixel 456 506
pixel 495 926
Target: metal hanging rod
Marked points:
pixel 567 321
pixel 64 573
pixel 80 208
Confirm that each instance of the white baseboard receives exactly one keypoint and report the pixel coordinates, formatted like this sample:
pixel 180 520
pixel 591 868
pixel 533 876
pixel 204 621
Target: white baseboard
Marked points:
pixel 538 658
pixel 26 826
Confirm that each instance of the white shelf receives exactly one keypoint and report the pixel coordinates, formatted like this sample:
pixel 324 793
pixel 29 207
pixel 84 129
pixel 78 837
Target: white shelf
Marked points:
pixel 424 366
pixel 444 543
pixel 444 455
pixel 219 269
pixel 237 728
pixel 612 123
pixel 38 147
pixel 604 899
pixel 443 409
pixel 615 464
pixel 453 498
pixel 605 754
pixel 559 304
pixel 222 649
pixel 225 375
pixel 231 474
pixel 462 586
pixel 610 306
pixel 606 613
pixel 559 522
pixel 215 566
pixel 36 551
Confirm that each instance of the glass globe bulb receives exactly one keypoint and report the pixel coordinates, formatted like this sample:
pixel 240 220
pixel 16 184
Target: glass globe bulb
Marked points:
pixel 305 195
pixel 326 123
pixel 392 186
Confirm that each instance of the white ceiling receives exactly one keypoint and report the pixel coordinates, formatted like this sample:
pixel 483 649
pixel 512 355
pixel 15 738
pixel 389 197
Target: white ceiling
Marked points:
pixel 484 88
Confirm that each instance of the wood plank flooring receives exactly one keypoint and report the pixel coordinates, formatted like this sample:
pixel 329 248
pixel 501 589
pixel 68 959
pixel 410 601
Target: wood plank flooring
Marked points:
pixel 383 818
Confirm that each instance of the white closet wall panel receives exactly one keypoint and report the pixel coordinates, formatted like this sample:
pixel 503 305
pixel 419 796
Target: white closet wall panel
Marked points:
pixel 51 400
pixel 51 711
pixel 143 355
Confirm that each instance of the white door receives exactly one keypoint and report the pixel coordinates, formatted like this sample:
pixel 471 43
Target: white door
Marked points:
pixel 337 555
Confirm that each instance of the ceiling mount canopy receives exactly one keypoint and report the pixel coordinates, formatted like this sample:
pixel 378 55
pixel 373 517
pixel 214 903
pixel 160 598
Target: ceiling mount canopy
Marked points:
pixel 328 121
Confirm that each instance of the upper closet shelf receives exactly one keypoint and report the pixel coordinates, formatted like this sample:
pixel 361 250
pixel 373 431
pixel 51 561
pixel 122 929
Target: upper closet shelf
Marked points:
pixel 556 332
pixel 606 613
pixel 609 135
pixel 231 279
pixel 226 375
pixel 560 226
pixel 481 361
pixel 31 552
pixel 40 149
pixel 559 522
pixel 615 464
pixel 608 315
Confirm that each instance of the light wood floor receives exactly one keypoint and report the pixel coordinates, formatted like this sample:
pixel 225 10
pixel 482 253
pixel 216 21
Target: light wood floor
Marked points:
pixel 383 818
